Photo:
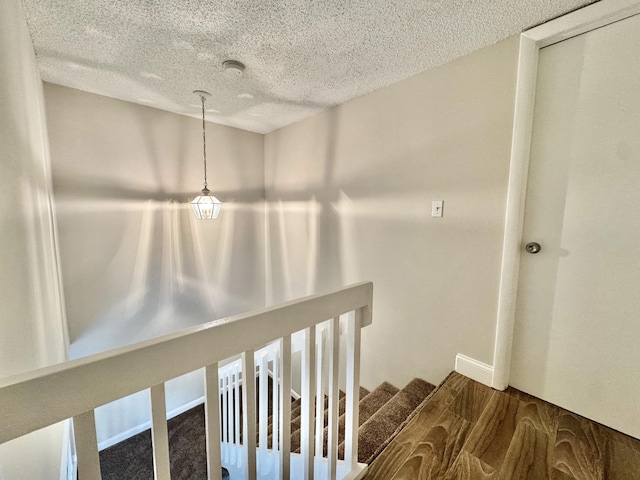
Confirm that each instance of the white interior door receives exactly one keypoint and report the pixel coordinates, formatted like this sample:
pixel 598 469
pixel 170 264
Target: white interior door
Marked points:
pixel 577 329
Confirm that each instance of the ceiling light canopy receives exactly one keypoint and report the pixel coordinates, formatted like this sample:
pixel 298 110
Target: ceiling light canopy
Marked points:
pixel 205 206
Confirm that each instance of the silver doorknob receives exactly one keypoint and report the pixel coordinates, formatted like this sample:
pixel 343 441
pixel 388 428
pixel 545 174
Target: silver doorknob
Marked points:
pixel 533 247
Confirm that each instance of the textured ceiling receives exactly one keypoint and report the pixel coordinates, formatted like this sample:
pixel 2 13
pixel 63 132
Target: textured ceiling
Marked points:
pixel 302 56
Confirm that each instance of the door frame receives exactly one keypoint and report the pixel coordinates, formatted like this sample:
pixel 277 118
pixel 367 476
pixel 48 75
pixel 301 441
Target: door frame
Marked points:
pixel 531 41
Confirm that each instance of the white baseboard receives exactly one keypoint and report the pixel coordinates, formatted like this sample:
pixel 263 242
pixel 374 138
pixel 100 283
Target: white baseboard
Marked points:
pixel 109 442
pixel 121 437
pixel 475 370
pixel 183 408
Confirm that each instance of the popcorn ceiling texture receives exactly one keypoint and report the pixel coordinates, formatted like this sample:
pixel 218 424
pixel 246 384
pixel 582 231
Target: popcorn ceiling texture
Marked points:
pixel 302 56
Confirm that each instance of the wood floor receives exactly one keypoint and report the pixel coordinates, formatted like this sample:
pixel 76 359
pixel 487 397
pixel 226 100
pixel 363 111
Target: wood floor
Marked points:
pixel 469 431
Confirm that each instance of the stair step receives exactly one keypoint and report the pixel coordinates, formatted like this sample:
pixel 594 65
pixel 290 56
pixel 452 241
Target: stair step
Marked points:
pixel 375 400
pixel 295 434
pixel 383 425
pixel 296 405
pixel 368 407
pixel 295 418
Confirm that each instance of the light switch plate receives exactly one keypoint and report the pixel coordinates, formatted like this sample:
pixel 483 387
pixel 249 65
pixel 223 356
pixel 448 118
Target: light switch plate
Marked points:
pixel 436 208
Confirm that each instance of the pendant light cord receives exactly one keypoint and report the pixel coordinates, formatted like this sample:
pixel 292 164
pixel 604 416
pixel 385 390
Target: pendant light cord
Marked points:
pixel 204 144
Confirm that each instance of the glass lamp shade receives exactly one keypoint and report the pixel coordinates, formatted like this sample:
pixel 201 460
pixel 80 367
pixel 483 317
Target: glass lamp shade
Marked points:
pixel 206 206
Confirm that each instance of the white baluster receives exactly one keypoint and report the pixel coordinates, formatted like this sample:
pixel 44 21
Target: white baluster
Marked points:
pixel 285 405
pixel 308 394
pixel 212 422
pixel 320 391
pixel 263 408
pixel 249 413
pixel 159 433
pixel 238 370
pixel 231 413
pixel 235 408
pixel 84 427
pixel 334 355
pixel 352 412
pixel 225 405
pixel 221 375
pixel 275 420
pixel 222 372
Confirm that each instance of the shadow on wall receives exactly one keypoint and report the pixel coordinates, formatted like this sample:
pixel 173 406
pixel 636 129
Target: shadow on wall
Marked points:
pixel 349 195
pixel 303 249
pixel 150 268
pixel 326 217
pixel 145 269
pixel 136 264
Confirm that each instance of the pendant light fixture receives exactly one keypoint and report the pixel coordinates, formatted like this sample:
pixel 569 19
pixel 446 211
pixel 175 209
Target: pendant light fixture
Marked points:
pixel 205 206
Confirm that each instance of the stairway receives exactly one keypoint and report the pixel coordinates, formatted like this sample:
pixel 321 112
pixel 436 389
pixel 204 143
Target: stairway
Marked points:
pixel 383 413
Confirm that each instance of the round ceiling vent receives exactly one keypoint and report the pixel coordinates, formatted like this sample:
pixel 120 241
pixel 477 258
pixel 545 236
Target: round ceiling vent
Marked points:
pixel 233 68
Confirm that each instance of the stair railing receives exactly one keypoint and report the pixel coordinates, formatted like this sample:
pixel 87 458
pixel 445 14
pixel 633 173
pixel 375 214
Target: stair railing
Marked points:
pixel 43 397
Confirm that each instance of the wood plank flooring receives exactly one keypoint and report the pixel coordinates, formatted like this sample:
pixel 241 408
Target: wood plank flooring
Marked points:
pixel 467 431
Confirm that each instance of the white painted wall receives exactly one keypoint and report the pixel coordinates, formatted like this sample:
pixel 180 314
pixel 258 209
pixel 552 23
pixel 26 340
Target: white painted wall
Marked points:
pixel 32 323
pixel 349 196
pixel 135 262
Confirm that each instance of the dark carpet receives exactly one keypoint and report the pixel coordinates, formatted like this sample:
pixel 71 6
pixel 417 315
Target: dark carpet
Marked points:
pixel 132 459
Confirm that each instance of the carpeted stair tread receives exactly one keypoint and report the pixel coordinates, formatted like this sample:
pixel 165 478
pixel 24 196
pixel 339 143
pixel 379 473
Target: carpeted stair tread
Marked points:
pixel 368 407
pixel 369 404
pixel 132 458
pixel 296 406
pixel 384 423
pixel 375 400
pixel 295 418
pixel 295 434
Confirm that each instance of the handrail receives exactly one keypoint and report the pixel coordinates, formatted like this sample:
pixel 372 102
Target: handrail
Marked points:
pixel 42 397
